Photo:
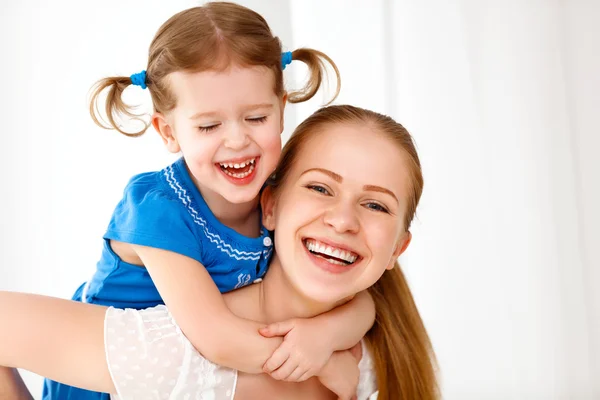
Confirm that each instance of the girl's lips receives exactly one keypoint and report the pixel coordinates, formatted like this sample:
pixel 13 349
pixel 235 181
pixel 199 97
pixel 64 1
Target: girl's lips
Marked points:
pixel 244 178
pixel 238 160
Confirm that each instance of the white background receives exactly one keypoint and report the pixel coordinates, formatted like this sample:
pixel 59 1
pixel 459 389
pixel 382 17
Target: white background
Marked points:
pixel 501 97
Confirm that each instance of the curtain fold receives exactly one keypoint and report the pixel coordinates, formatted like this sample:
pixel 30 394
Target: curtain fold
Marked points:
pixel 498 98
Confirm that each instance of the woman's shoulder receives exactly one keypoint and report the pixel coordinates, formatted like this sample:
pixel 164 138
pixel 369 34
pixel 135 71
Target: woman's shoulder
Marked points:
pixel 149 357
pixel 367 382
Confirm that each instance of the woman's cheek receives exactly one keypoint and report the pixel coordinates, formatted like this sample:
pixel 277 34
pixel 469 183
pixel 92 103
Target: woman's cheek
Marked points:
pixel 383 239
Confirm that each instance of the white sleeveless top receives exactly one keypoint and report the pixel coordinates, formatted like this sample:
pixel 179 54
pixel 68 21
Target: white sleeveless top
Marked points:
pixel 149 358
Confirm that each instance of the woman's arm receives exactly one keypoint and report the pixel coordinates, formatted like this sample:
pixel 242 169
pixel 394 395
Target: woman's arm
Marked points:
pixel 198 307
pixel 60 339
pixel 12 386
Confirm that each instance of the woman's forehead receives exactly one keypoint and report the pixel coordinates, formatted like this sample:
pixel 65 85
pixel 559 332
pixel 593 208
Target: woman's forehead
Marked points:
pixel 357 153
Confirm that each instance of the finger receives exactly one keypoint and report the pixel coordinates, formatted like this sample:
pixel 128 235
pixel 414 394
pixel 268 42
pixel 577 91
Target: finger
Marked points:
pixel 296 374
pixel 283 372
pixel 305 376
pixel 277 328
pixel 277 359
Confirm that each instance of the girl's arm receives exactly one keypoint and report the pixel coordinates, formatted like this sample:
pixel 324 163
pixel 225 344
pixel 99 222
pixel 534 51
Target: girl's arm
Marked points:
pixel 309 343
pixel 200 311
pixel 60 339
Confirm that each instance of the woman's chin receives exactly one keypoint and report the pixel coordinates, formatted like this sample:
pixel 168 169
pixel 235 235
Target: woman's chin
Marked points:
pixel 325 294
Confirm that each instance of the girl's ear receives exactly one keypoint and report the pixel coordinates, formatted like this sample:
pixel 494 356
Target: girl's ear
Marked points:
pixel 165 131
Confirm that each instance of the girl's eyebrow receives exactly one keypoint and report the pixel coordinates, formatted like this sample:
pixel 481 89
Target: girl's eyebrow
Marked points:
pixel 251 107
pixel 261 106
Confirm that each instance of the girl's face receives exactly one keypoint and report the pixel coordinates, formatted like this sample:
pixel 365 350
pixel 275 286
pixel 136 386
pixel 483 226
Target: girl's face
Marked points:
pixel 338 217
pixel 228 126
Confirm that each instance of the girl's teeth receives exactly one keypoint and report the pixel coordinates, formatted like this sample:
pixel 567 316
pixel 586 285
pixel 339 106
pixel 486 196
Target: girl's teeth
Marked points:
pixel 238 165
pixel 241 174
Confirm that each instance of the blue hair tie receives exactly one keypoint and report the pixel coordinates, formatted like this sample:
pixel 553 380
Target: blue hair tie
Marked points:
pixel 139 79
pixel 286 59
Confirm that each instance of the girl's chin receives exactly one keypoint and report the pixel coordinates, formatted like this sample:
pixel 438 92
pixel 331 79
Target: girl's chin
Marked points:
pixel 242 198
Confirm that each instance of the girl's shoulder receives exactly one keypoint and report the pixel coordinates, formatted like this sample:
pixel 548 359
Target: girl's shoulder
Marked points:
pixel 154 184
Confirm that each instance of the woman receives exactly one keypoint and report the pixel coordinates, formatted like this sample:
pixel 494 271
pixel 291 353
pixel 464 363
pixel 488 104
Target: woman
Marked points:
pixel 340 203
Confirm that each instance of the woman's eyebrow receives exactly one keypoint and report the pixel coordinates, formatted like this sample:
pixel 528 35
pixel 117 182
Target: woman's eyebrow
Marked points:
pixel 374 188
pixel 336 177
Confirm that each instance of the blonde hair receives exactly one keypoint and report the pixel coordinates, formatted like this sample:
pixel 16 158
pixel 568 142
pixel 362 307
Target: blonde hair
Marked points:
pixel 210 37
pixel 404 359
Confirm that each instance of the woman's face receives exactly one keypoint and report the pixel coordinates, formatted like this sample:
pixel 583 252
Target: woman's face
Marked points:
pixel 338 217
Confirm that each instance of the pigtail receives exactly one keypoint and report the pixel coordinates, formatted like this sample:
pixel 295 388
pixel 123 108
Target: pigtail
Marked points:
pixel 317 69
pixel 114 105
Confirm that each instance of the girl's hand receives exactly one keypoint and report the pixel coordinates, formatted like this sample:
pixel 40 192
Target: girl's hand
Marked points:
pixel 303 353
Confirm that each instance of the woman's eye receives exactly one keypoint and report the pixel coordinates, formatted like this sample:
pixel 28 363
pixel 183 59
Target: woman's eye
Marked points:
pixel 257 119
pixel 208 128
pixel 318 189
pixel 377 207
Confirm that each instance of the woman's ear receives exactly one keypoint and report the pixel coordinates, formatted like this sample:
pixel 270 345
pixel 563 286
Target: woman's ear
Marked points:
pixel 165 131
pixel 401 247
pixel 267 204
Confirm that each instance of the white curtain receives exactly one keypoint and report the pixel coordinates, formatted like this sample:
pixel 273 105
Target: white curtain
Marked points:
pixel 501 97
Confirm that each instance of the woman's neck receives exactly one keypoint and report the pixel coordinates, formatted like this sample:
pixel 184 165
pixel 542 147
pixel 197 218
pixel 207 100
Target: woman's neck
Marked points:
pixel 280 300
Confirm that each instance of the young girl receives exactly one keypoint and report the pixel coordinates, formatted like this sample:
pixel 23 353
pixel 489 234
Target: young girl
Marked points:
pixel 186 234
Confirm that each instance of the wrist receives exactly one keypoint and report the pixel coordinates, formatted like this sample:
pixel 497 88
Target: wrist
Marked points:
pixel 330 366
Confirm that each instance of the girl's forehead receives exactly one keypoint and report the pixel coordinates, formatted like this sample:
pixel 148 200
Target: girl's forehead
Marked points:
pixel 210 91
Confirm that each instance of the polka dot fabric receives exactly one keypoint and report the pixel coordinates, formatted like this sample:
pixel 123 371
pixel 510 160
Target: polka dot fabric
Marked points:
pixel 150 358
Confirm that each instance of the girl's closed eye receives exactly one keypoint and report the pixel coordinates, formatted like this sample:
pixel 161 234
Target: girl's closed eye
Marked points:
pixel 208 128
pixel 257 120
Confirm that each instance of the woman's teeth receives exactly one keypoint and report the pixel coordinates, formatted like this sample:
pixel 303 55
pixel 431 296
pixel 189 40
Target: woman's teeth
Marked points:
pixel 332 254
pixel 238 170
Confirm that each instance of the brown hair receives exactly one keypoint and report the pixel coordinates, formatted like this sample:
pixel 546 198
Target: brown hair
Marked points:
pixel 404 360
pixel 210 37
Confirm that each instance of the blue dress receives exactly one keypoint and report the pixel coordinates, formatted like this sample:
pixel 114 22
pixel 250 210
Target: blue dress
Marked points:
pixel 165 210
